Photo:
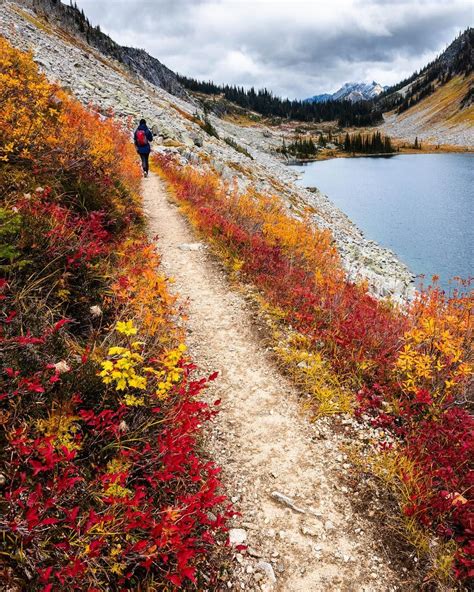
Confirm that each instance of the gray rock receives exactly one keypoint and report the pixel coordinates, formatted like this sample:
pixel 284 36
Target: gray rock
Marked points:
pixel 286 501
pixel 267 569
pixel 165 133
pixel 187 141
pixel 237 536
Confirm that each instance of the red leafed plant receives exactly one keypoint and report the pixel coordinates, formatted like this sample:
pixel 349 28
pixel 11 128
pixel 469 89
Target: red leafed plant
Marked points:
pixel 101 480
pixel 411 368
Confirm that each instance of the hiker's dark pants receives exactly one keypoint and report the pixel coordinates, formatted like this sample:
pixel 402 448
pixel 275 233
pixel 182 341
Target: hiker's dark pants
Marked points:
pixel 144 158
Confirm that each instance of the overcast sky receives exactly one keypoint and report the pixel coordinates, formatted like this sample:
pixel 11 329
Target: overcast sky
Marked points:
pixel 296 48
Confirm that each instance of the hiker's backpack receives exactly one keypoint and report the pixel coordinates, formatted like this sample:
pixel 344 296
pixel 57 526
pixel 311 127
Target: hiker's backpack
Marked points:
pixel 142 140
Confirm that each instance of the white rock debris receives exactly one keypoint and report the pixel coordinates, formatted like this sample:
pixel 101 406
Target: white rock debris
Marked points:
pixel 237 536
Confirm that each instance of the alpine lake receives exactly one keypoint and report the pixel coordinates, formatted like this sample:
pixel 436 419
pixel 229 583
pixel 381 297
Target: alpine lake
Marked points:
pixel 418 205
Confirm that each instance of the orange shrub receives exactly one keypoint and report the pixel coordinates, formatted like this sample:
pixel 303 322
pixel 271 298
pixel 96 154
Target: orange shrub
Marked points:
pixel 45 135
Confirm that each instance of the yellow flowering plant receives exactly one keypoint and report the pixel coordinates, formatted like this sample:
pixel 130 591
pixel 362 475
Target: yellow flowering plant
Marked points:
pixel 124 369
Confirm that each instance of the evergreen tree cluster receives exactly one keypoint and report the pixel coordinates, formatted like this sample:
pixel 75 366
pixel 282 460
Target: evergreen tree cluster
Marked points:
pixel 368 144
pixel 463 62
pixel 265 103
pixel 412 97
pixel 301 148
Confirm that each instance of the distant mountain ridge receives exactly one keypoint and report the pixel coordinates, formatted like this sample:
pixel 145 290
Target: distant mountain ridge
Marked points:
pixel 456 60
pixel 351 91
pixel 435 104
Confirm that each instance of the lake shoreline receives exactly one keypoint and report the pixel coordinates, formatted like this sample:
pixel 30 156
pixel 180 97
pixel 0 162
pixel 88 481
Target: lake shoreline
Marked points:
pixel 364 259
pixel 333 154
pixel 391 261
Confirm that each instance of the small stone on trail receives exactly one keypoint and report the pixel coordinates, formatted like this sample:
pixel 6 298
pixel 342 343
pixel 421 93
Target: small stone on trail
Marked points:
pixel 191 247
pixel 237 536
pixel 268 571
pixel 309 531
pixel 286 501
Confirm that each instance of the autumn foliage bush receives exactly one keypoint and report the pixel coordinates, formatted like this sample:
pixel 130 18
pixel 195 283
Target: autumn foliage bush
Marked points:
pixel 101 483
pixel 407 371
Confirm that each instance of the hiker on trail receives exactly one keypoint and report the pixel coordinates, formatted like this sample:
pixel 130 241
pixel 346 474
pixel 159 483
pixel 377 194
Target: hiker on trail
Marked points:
pixel 142 138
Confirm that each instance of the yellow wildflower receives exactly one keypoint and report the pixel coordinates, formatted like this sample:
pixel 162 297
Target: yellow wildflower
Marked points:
pixel 133 401
pixel 126 328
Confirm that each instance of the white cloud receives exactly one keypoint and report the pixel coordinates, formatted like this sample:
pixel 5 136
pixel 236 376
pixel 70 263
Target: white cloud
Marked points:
pixel 294 47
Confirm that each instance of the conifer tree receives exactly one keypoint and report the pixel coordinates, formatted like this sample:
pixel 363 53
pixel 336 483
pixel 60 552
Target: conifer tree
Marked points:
pixel 347 143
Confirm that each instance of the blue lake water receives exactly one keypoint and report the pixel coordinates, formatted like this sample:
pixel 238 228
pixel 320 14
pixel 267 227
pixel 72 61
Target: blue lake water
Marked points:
pixel 420 206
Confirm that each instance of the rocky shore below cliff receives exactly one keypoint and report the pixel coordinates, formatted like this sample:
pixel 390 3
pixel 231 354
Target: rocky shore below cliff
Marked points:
pixel 109 87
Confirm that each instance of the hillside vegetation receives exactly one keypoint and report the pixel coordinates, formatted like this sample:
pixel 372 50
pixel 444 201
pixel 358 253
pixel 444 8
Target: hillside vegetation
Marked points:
pixel 435 104
pixel 446 114
pixel 405 372
pixel 101 484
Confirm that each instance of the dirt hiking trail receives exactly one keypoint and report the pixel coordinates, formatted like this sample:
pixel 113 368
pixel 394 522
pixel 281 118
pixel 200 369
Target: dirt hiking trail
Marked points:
pixel 301 532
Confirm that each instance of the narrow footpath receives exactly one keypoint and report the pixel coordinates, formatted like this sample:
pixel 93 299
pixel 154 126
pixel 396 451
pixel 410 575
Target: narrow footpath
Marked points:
pixel 280 470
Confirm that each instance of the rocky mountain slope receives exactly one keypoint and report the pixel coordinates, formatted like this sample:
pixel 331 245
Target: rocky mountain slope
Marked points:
pixel 351 91
pixel 439 118
pixel 110 84
pixel 435 104
pixel 74 21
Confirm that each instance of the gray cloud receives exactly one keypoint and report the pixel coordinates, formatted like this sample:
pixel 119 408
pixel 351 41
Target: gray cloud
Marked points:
pixel 295 47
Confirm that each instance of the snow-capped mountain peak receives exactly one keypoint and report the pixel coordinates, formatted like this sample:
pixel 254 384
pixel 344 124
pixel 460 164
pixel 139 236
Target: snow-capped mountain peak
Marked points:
pixel 351 91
